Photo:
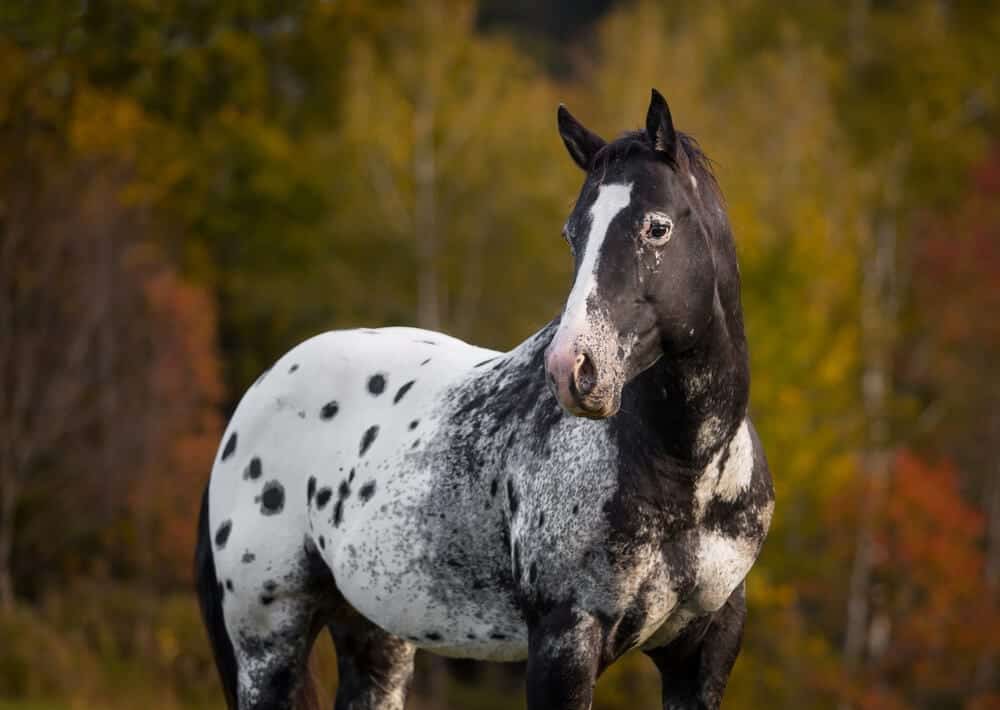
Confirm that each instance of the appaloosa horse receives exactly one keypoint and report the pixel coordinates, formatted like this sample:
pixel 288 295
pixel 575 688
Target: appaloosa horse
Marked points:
pixel 599 488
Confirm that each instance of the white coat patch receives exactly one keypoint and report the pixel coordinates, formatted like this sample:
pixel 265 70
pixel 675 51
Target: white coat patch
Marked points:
pixel 722 563
pixel 611 199
pixel 736 459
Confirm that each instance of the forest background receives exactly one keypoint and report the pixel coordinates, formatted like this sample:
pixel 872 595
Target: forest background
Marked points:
pixel 189 188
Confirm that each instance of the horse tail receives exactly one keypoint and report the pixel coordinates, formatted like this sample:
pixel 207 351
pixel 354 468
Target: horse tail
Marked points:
pixel 210 600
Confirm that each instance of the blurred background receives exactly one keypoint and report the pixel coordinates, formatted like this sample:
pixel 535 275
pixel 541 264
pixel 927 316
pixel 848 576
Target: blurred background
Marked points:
pixel 188 188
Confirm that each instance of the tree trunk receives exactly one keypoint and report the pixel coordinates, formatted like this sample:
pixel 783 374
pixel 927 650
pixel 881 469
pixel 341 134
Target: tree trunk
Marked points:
pixel 879 308
pixel 986 665
pixel 877 324
pixel 8 507
pixel 425 210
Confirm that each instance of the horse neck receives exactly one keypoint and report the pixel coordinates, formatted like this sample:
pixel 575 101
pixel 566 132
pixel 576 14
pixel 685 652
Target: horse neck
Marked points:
pixel 685 407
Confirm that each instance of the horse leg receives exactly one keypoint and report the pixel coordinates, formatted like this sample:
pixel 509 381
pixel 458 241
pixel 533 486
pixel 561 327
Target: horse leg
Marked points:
pixel 695 666
pixel 564 649
pixel 272 647
pixel 272 622
pixel 374 667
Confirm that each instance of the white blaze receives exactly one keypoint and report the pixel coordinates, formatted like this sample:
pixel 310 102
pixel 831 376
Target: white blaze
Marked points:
pixel 611 199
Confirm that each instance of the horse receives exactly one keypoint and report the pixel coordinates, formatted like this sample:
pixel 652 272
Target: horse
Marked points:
pixel 597 489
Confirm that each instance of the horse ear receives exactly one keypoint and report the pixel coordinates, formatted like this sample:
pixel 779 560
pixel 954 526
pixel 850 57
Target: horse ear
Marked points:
pixel 660 127
pixel 581 143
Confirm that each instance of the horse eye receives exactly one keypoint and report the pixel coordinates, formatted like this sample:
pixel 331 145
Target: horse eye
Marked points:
pixel 658 230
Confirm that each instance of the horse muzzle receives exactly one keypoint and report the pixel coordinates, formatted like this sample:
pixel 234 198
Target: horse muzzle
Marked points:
pixel 575 379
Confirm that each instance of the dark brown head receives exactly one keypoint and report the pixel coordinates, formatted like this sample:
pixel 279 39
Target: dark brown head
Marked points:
pixel 645 272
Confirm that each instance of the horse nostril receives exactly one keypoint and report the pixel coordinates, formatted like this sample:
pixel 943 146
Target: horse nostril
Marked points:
pixel 584 374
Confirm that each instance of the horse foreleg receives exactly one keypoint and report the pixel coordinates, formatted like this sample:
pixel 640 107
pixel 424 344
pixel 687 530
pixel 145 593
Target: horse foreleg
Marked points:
pixel 564 650
pixel 695 667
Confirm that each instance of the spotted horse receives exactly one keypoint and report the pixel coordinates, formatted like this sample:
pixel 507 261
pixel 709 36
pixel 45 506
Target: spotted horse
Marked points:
pixel 597 489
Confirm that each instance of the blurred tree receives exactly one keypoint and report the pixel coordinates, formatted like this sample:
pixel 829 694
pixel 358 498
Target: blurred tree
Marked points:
pixel 460 163
pixel 952 358
pixel 86 339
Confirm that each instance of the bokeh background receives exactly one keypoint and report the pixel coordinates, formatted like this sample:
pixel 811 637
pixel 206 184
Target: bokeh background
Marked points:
pixel 188 188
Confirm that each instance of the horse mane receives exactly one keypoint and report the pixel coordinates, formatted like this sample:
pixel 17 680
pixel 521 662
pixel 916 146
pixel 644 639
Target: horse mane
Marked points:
pixel 689 161
pixel 690 158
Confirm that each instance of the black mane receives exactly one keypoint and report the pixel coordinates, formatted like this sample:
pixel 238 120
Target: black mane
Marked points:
pixel 690 159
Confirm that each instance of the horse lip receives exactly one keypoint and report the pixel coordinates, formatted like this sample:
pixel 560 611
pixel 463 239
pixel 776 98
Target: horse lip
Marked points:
pixel 581 408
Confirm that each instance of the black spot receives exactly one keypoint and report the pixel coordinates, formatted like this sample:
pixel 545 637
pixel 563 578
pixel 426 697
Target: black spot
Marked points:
pixel 376 384
pixel 293 368
pixel 270 586
pixel 230 447
pixel 427 342
pixel 310 489
pixel 432 636
pixel 229 584
pixel 253 470
pixel 266 599
pixel 302 414
pixel 322 542
pixel 512 497
pixel 484 362
pixel 532 573
pixel 471 637
pixel 367 491
pixel 367 439
pixel 498 636
pixel 329 410
pixel 272 498
pixel 576 509
pixel 425 362
pixel 323 497
pixel 350 478
pixel 344 491
pixel 248 557
pixel 402 391
pixel 222 534
pixel 413 424
pixel 415 444
pixel 494 484
pixel 338 513
pixel 541 519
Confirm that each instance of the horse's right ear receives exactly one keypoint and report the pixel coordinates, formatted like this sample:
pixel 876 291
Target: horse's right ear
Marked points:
pixel 581 143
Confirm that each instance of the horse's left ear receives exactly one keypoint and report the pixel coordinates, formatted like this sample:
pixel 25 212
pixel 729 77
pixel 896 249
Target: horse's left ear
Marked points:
pixel 660 127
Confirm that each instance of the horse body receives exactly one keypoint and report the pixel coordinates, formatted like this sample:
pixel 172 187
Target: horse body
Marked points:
pixel 407 490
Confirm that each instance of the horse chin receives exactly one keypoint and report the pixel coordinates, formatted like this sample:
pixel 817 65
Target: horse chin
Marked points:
pixel 599 414
pixel 591 408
